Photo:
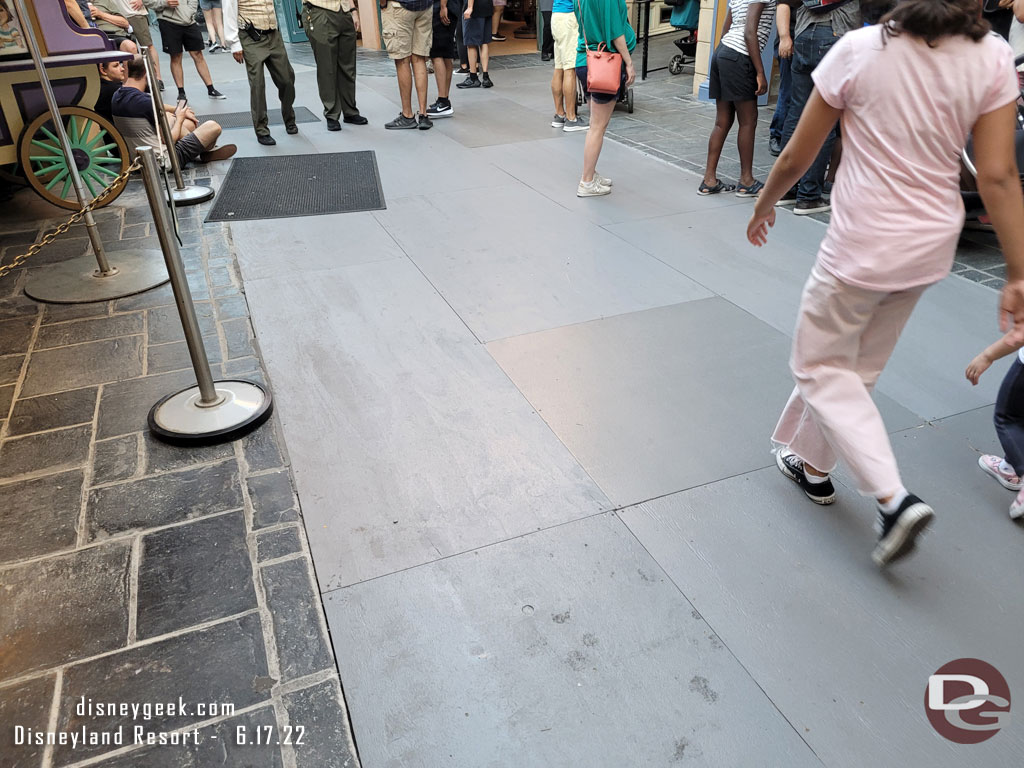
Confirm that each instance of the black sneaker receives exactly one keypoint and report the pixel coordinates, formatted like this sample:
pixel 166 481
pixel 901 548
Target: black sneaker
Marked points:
pixel 499 38
pixel 215 94
pixel 462 71
pixel 807 207
pixel 788 199
pixel 333 124
pixel 485 81
pixel 423 123
pixel 160 85
pixel 266 141
pixel 898 531
pixel 440 108
pixel 774 146
pixel 792 466
pixel 292 129
pixel 470 82
pixel 402 122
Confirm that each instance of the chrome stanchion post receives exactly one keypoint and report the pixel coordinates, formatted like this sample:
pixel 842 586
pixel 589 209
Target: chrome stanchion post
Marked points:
pixel 182 194
pixel 74 281
pixel 212 411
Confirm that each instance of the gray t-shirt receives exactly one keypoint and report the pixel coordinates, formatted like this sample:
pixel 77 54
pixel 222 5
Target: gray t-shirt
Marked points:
pixel 843 19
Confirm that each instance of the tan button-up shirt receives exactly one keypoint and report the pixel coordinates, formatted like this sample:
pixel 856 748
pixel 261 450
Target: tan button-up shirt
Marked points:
pixel 334 5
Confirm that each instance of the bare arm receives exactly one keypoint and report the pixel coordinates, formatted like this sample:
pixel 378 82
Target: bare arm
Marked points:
pixel 1018 10
pixel 728 21
pixel 814 126
pixel 782 19
pixel 112 18
pixel 999 185
pixel 754 11
pixel 993 352
pixel 619 44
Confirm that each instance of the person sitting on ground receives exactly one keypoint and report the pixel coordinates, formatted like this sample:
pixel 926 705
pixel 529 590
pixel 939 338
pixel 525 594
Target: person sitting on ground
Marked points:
pixel 112 75
pixel 737 78
pixel 442 52
pixel 132 107
pixel 111 18
pixel 476 31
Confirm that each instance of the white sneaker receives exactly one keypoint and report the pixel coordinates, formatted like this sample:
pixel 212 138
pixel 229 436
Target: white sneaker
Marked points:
pixel 1017 507
pixel 592 189
pixel 604 181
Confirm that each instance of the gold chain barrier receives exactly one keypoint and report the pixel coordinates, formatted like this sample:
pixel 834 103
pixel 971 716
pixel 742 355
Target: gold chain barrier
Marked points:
pixel 75 218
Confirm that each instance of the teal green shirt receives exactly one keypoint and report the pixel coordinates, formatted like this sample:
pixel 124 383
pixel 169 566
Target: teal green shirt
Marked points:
pixel 603 20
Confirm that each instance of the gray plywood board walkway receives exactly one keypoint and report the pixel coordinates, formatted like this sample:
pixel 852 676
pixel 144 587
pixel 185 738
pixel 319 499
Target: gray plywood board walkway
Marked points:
pixel 474 381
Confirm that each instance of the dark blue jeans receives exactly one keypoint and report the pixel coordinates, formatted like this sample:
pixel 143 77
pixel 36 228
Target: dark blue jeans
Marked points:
pixel 809 49
pixel 782 105
pixel 1009 417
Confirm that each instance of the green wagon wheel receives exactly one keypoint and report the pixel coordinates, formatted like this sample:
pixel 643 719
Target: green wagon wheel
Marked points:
pixel 99 152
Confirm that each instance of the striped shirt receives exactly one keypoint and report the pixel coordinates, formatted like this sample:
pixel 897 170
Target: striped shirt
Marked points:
pixel 734 37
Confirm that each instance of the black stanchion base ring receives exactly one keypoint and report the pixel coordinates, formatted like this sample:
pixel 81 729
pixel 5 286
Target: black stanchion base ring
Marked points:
pixel 181 419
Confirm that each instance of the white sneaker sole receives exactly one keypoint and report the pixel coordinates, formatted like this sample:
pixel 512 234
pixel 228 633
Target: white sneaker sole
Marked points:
pixel 902 539
pixel 1002 480
pixel 575 128
pixel 599 192
pixel 823 501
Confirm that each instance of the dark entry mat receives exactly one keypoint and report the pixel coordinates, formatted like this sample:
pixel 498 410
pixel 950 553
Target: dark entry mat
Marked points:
pixel 229 120
pixel 299 185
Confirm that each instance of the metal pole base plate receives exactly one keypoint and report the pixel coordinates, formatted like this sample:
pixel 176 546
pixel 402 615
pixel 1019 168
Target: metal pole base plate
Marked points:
pixel 180 419
pixel 75 281
pixel 192 194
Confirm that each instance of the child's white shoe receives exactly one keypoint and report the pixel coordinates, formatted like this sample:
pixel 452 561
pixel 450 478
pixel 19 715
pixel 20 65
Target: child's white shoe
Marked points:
pixel 995 466
pixel 1017 507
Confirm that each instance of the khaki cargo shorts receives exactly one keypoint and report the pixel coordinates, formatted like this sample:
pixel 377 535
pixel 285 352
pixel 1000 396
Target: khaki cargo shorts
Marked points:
pixel 406 32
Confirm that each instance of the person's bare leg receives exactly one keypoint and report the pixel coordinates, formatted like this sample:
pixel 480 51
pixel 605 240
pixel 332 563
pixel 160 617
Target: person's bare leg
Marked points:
pixel 724 115
pixel 201 68
pixel 471 51
pixel 496 19
pixel 210 32
pixel 419 70
pixel 569 93
pixel 443 70
pixel 154 60
pixel 208 133
pixel 402 67
pixel 600 115
pixel 483 58
pixel 746 114
pixel 218 26
pixel 556 93
pixel 177 73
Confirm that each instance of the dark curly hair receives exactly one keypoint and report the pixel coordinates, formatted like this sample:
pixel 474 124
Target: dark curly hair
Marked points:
pixel 934 19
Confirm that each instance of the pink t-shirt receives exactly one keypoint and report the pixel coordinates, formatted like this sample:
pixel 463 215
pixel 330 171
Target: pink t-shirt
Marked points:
pixel 907 112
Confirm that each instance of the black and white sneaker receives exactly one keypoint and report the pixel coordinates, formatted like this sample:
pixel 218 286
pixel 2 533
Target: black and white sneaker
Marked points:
pixel 440 108
pixel 898 531
pixel 792 466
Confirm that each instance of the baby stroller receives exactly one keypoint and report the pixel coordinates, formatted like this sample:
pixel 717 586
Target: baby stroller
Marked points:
pixel 976 215
pixel 685 17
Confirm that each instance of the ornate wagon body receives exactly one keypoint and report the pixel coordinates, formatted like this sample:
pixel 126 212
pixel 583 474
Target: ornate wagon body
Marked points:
pixel 28 144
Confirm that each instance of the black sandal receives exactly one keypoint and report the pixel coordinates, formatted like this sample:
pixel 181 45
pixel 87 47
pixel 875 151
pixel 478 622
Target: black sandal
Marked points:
pixel 751 190
pixel 719 187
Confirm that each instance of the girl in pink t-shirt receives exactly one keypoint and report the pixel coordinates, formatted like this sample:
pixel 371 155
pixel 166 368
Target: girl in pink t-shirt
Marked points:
pixel 908 93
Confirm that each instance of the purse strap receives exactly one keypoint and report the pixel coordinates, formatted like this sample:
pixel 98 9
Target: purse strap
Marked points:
pixel 583 29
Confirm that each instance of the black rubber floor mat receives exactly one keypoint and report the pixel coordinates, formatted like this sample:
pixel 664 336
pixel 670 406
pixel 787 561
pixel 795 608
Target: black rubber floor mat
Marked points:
pixel 299 185
pixel 230 120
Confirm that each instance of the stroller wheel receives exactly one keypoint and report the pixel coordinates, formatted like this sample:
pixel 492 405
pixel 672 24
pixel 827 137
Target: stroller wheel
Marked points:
pixel 676 65
pixel 629 101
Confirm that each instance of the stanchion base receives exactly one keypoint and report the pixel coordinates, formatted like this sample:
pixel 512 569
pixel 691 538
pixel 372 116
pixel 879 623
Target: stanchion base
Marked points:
pixel 76 281
pixel 180 419
pixel 192 194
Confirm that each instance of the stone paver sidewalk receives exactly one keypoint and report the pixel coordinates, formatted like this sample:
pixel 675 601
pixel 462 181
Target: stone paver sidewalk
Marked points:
pixel 133 572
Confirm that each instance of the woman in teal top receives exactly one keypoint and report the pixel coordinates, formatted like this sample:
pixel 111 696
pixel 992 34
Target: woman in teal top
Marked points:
pixel 601 21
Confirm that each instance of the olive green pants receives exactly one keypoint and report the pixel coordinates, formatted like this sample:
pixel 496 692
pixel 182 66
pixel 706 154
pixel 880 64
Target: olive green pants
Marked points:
pixel 270 53
pixel 332 36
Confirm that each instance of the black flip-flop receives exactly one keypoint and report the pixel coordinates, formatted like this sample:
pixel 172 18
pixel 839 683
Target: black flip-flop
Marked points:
pixel 749 190
pixel 704 189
